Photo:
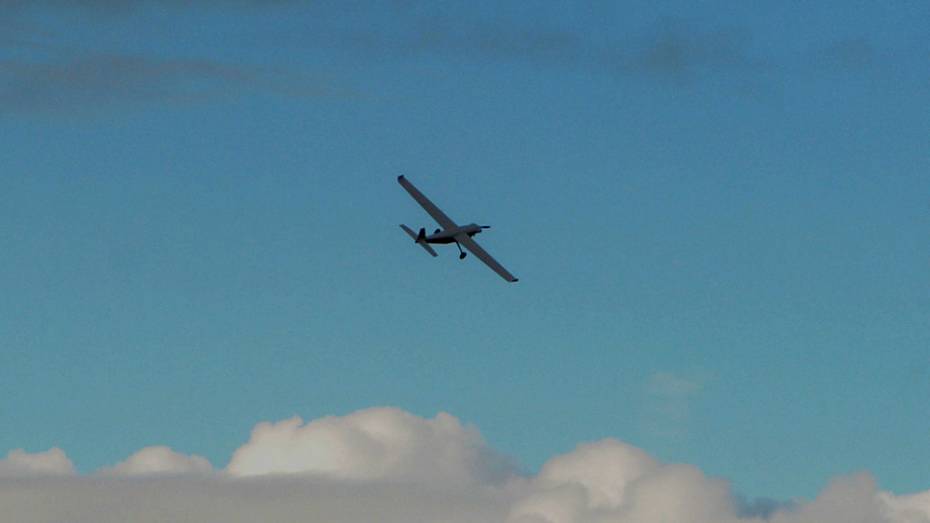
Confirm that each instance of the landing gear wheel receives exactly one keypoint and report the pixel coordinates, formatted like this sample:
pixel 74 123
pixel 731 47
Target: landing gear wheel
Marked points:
pixel 462 255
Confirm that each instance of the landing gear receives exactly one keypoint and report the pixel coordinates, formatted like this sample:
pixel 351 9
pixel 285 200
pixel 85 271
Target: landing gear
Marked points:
pixel 462 254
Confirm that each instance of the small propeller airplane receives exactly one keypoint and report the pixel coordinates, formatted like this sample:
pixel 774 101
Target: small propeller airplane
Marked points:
pixel 451 232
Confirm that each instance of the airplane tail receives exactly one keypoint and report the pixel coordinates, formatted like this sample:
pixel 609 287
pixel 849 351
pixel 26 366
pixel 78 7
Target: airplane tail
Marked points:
pixel 420 239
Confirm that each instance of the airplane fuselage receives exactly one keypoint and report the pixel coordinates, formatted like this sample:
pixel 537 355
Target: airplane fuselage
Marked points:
pixel 448 235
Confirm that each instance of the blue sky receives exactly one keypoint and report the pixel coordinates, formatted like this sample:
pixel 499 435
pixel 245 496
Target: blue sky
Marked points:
pixel 718 214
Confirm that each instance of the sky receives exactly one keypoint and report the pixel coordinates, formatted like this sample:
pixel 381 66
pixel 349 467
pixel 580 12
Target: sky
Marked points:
pixel 718 213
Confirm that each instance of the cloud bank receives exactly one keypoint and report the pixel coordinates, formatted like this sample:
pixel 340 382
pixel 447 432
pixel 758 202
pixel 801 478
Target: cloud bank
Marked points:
pixel 19 463
pixel 385 464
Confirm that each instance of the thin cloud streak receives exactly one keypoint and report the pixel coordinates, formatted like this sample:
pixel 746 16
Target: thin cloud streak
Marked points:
pixel 670 49
pixel 94 81
pixel 669 398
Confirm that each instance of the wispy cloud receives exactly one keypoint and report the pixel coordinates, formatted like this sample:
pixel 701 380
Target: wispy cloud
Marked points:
pixel 669 398
pixel 42 71
pixel 125 6
pixel 670 48
pixel 854 53
pixel 93 81
pixel 678 50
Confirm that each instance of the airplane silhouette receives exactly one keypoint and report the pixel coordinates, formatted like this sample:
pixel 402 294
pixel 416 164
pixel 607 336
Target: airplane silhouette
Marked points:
pixel 451 232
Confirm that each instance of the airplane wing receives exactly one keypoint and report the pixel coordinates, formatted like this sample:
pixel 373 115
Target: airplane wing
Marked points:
pixel 473 247
pixel 444 221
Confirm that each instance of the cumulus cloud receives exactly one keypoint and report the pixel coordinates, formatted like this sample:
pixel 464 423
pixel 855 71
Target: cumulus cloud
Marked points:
pixel 613 481
pixel 159 460
pixel 52 462
pixel 605 470
pixel 371 444
pixel 389 465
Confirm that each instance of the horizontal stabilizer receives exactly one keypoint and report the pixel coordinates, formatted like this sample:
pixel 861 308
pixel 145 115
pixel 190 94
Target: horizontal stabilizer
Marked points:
pixel 418 240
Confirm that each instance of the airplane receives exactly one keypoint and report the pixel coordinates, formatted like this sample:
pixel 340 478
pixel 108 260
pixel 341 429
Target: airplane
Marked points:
pixel 450 233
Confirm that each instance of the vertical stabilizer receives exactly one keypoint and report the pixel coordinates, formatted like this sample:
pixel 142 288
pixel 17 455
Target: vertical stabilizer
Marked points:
pixel 420 239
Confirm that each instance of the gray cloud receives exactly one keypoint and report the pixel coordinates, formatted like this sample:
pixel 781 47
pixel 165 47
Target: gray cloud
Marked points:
pixel 670 48
pixel 675 49
pixel 475 39
pixel 39 72
pixel 90 82
pixel 854 53
pixel 102 79
pixel 218 500
pixel 125 6
pixel 674 495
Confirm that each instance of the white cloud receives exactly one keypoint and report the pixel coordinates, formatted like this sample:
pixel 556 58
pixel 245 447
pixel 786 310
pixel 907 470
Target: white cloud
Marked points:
pixel 159 460
pixel 624 484
pixel 605 469
pixel 52 462
pixel 388 465
pixel 852 499
pixel 370 444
